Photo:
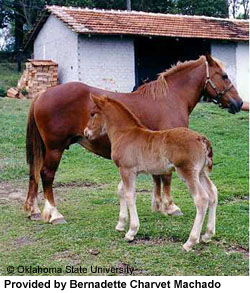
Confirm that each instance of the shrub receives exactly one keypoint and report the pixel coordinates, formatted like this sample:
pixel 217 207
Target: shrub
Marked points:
pixel 3 92
pixel 24 92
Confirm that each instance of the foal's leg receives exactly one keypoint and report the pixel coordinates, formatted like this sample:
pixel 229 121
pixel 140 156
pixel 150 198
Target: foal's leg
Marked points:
pixel 128 177
pixel 156 197
pixel 31 202
pixel 123 215
pixel 213 200
pixel 50 213
pixel 200 197
pixel 168 206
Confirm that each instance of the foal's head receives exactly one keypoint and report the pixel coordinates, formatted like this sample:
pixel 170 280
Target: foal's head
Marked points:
pixel 219 88
pixel 96 124
pixel 107 112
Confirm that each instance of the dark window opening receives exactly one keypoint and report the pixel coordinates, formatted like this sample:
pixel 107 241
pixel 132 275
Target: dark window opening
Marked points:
pixel 153 56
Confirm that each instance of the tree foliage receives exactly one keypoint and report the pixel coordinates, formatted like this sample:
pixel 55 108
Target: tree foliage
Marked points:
pixel 218 8
pixel 234 7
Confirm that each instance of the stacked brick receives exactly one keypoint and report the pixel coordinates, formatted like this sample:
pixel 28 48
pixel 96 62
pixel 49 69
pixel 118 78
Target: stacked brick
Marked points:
pixel 38 76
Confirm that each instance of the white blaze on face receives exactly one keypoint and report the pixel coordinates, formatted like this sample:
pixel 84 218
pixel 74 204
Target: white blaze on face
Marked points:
pixel 103 132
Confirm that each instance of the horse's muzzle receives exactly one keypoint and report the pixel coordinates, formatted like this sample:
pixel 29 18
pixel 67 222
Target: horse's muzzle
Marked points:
pixel 235 106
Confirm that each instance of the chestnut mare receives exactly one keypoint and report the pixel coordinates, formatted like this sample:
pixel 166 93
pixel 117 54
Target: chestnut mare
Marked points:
pixel 57 119
pixel 136 149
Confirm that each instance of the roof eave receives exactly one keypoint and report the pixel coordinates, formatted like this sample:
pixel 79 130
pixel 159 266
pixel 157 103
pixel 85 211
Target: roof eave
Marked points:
pixel 233 39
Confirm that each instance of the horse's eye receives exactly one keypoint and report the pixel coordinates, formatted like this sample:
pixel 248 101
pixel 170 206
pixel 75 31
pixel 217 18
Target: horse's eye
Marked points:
pixel 224 76
pixel 92 114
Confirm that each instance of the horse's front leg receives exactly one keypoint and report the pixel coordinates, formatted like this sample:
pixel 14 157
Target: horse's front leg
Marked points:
pixel 123 215
pixel 168 206
pixel 128 177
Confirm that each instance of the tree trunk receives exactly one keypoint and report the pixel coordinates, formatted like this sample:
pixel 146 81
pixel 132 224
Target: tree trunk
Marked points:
pixel 18 36
pixel 129 5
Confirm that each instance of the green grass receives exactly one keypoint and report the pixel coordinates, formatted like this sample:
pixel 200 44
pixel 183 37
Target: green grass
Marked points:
pixel 85 190
pixel 8 75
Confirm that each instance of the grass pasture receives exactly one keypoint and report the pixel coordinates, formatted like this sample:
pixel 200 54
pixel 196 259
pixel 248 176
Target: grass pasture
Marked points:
pixel 8 75
pixel 85 190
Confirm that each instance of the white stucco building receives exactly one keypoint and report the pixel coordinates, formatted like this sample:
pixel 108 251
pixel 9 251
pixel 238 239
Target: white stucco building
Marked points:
pixel 117 50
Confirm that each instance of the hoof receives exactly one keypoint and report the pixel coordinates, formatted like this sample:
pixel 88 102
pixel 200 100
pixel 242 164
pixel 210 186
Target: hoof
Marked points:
pixel 35 217
pixel 172 210
pixel 156 207
pixel 58 221
pixel 205 238
pixel 119 228
pixel 186 248
pixel 129 238
pixel 26 207
pixel 176 213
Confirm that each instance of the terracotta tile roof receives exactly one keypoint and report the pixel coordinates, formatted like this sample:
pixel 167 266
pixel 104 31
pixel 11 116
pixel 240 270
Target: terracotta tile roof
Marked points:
pixel 116 22
pixel 95 21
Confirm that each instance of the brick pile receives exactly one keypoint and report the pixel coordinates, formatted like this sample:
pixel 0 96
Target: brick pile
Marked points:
pixel 38 76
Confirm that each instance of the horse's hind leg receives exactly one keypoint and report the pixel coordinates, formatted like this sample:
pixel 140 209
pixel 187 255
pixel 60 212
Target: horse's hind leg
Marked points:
pixel 213 200
pixel 156 197
pixel 168 206
pixel 31 203
pixel 201 199
pixel 50 213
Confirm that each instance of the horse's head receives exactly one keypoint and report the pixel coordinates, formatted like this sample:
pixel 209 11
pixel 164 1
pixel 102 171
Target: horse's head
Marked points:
pixel 96 124
pixel 219 88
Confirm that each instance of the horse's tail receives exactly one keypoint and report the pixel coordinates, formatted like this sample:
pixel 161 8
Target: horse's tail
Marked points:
pixel 208 154
pixel 35 148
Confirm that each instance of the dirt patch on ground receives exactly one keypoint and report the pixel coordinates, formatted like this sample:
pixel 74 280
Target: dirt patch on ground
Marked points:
pixel 67 256
pixel 238 249
pixel 126 269
pixel 237 198
pixel 10 193
pixel 153 241
pixel 22 241
pixel 78 184
pixel 233 248
pixel 143 190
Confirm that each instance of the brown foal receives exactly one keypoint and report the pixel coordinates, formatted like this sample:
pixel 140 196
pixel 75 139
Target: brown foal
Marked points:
pixel 136 149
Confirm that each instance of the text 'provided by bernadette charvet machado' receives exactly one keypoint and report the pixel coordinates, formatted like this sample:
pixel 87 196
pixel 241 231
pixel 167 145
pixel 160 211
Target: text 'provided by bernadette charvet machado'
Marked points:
pixel 111 283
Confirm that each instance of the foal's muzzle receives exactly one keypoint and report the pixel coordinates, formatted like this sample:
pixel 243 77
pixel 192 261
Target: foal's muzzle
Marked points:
pixel 235 106
pixel 87 133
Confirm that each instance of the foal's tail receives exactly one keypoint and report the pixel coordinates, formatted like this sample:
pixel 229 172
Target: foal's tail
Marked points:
pixel 35 148
pixel 209 153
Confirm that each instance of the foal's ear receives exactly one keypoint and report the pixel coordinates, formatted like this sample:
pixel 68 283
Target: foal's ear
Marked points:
pixel 209 58
pixel 97 100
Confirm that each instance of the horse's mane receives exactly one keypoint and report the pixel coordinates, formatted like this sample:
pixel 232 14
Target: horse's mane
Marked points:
pixel 159 86
pixel 124 108
pixel 221 64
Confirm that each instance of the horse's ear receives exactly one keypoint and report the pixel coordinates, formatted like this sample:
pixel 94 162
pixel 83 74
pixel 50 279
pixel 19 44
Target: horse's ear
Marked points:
pixel 209 58
pixel 97 100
